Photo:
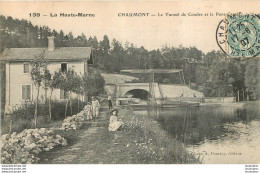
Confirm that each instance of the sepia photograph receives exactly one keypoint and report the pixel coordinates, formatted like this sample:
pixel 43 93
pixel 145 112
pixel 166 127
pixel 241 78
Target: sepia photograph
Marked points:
pixel 118 82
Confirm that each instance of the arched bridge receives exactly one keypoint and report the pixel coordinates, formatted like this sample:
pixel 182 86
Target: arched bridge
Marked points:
pixel 141 90
pixel 124 88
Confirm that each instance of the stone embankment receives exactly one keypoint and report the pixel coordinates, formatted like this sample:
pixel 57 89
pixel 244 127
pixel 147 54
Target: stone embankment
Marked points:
pixel 74 122
pixel 23 148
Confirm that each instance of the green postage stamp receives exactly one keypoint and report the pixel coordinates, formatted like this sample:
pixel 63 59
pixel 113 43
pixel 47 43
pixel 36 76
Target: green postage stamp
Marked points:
pixel 238 35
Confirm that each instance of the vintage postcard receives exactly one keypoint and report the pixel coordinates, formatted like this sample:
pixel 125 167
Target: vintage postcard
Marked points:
pixel 111 82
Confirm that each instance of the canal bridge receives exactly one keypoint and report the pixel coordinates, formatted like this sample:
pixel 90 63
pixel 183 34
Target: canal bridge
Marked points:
pixel 154 90
pixel 137 90
pixel 123 88
pixel 161 91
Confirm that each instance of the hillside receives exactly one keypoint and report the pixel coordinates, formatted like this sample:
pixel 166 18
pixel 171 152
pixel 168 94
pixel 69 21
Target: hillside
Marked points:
pixel 117 78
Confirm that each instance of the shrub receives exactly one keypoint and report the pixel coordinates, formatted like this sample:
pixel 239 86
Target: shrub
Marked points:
pixel 22 118
pixel 58 109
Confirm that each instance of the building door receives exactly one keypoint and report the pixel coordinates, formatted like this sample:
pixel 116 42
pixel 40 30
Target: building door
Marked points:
pixel 63 67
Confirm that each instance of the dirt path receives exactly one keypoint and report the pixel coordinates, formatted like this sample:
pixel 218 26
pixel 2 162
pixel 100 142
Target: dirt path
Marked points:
pixel 93 144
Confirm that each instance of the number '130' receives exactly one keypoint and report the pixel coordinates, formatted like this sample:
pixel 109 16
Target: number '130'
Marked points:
pixel 34 14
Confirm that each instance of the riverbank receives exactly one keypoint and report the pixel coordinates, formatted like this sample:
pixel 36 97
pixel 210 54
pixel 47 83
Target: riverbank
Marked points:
pixel 141 141
pixel 252 106
pixel 235 104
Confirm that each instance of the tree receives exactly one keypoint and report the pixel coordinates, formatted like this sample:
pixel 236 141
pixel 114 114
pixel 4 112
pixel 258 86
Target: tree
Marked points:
pixel 117 54
pixel 78 86
pixel 3 82
pixel 81 40
pixel 93 83
pixel 105 45
pixel 57 83
pixel 73 84
pixel 201 74
pixel 69 82
pixel 10 24
pixel 71 41
pixel 60 39
pixel 252 78
pixel 52 82
pixel 3 34
pixel 92 42
pixel 39 73
pixel 220 79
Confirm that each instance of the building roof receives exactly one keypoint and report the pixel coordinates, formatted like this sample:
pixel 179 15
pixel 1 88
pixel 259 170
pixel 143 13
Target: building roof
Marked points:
pixel 59 54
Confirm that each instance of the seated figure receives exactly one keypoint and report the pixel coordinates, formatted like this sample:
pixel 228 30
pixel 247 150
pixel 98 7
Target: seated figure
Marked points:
pixel 114 122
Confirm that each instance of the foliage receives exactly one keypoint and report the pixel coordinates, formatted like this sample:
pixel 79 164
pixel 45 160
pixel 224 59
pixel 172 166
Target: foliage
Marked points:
pixel 2 82
pixel 22 118
pixel 252 78
pixel 93 82
pixel 39 71
pixel 253 108
pixel 39 74
pixel 220 75
pixel 67 80
pixel 58 79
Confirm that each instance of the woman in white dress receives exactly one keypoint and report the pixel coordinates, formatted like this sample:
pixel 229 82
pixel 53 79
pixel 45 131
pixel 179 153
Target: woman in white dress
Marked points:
pixel 114 122
pixel 88 111
pixel 95 107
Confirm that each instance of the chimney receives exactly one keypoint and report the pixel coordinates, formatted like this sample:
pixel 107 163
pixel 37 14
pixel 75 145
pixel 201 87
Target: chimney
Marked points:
pixel 51 45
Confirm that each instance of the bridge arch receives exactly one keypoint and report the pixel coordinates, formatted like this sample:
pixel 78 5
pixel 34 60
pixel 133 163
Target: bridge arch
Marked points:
pixel 143 94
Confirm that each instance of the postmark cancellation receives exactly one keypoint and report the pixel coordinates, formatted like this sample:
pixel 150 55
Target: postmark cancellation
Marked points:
pixel 238 35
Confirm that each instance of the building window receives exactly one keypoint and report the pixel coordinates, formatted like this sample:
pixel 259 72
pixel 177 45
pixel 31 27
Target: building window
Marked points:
pixel 63 66
pixel 26 68
pixel 64 94
pixel 26 92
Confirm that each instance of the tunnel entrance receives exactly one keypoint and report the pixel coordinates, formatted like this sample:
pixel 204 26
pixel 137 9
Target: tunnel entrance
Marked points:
pixel 138 93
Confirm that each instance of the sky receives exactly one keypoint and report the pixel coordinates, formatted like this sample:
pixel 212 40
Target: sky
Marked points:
pixel 152 32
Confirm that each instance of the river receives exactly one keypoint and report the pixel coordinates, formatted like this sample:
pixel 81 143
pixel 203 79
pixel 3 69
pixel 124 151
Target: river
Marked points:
pixel 213 134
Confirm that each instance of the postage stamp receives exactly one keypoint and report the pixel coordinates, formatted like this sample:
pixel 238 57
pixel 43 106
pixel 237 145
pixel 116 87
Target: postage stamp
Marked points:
pixel 238 35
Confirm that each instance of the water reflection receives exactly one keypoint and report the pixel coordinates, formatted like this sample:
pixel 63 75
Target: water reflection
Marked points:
pixel 210 131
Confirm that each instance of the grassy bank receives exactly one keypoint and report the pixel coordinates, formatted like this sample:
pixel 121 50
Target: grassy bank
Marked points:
pixel 252 107
pixel 151 143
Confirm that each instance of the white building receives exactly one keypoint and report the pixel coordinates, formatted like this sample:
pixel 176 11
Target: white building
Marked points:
pixel 20 87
